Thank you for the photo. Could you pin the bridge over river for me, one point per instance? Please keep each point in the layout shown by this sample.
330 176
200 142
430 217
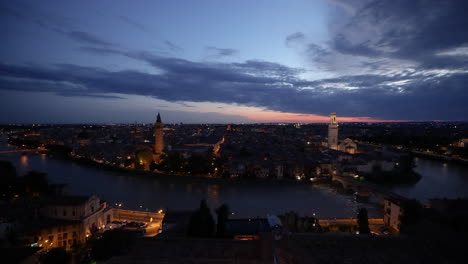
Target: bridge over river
23 150
365 189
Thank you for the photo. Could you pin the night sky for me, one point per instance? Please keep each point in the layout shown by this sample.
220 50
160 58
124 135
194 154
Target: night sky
233 61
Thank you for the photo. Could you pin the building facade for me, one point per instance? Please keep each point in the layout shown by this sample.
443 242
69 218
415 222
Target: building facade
393 212
67 221
348 146
333 132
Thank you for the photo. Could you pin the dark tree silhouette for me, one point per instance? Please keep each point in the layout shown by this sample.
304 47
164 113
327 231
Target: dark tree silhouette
223 213
111 243
8 180
36 183
411 215
201 222
363 221
7 170
55 256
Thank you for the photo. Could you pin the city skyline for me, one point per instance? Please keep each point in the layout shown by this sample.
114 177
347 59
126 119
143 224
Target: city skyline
226 62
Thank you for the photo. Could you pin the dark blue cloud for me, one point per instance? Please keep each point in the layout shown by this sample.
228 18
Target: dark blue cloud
295 37
172 46
415 97
87 38
221 52
133 23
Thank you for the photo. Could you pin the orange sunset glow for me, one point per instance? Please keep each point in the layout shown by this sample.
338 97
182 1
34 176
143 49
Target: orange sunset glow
273 117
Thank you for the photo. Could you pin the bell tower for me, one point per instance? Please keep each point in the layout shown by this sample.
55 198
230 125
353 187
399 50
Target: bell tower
158 139
333 132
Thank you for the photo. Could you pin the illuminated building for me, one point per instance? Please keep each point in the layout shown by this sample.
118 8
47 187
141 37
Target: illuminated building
158 139
347 145
66 221
333 132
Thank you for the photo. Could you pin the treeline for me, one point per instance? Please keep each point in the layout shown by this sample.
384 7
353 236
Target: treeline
432 142
202 223
23 143
403 173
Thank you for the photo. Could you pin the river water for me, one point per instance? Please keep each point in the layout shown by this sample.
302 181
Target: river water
247 199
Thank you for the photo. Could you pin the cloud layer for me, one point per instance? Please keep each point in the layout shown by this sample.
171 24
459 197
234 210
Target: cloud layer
422 95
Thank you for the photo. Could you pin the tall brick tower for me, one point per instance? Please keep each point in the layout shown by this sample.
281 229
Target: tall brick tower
158 139
333 132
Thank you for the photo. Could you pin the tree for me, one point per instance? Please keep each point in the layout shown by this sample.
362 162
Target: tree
170 162
8 180
201 222
406 163
363 221
55 256
411 215
111 243
223 213
36 183
144 159
7 170
198 164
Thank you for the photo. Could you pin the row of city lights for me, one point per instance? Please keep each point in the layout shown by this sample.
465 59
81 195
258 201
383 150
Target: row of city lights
160 211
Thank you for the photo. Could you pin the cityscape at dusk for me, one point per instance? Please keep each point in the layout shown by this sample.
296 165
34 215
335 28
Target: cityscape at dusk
217 131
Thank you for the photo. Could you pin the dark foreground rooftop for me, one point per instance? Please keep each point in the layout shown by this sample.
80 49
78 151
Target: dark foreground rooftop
299 248
196 251
321 249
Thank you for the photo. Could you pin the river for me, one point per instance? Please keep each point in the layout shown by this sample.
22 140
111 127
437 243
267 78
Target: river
439 179
246 199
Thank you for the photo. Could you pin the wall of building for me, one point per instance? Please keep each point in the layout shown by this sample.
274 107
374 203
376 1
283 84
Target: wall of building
392 215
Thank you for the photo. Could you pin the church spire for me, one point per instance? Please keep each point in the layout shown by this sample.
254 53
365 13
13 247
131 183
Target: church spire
158 119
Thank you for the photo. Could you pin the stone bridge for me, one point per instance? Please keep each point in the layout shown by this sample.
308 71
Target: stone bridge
365 189
348 221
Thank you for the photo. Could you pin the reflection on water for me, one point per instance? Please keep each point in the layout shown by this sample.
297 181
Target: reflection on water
438 180
246 200
212 192
24 161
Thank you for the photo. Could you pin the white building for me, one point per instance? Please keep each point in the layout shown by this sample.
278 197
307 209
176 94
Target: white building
75 218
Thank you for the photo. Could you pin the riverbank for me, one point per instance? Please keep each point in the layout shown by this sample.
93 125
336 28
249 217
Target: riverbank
440 158
59 153
426 155
394 179
248 198
166 177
